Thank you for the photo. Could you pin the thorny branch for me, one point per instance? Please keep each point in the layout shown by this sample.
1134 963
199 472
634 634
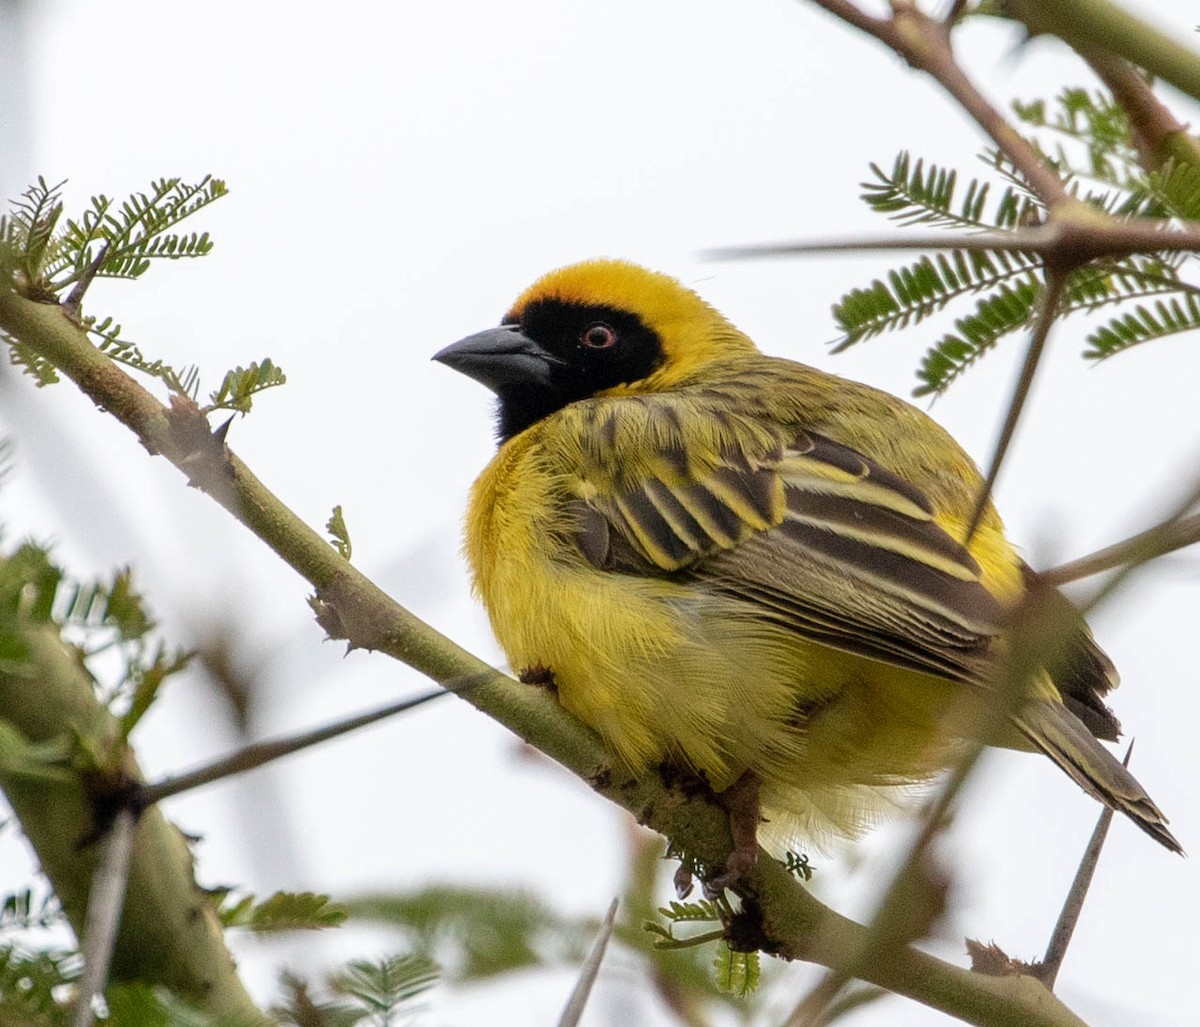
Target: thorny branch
258 754
1073 235
791 922
1051 297
104 914
924 42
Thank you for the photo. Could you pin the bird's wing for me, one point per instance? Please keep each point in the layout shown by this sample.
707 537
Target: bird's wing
812 534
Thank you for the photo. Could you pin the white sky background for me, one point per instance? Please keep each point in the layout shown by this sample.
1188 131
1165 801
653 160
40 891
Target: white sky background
398 173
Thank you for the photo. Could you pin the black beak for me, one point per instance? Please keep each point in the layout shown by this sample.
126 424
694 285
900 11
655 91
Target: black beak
500 358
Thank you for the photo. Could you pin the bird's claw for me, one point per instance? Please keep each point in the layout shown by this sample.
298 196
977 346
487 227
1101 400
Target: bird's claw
739 863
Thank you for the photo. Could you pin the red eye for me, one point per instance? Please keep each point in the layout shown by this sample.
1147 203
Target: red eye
597 336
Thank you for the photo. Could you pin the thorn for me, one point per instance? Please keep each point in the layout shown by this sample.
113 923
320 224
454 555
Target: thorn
74 298
590 970
105 901
220 432
1052 292
1060 937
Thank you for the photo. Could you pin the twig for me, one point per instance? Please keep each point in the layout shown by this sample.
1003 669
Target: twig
75 297
1165 537
105 901
1127 568
1063 240
957 9
799 926
892 906
589 971
878 27
1089 25
1159 134
260 753
1027 651
924 42
1056 279
1060 938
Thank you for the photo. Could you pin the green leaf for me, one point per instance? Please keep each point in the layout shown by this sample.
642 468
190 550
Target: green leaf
913 293
283 911
29 233
384 988
37 367
147 680
703 911
109 240
475 933
1007 310
29 982
339 534
1099 126
112 604
736 972
919 193
302 1008
29 585
1167 317
185 381
240 385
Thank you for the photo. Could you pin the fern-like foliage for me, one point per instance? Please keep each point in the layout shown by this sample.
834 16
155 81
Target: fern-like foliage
383 993
110 239
283 911
735 973
104 616
339 534
24 910
924 287
386 987
31 983
1092 122
53 258
925 194
478 933
1086 137
37 990
1166 317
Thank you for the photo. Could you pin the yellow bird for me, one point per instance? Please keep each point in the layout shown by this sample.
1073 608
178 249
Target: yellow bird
748 567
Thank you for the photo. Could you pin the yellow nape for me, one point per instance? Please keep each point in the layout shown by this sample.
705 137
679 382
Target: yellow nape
692 332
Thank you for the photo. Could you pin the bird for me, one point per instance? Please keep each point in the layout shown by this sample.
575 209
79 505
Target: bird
757 572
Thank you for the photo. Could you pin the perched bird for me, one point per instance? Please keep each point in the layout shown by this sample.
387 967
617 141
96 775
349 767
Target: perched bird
753 569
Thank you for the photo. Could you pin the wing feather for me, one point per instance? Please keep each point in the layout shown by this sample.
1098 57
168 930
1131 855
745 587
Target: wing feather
813 534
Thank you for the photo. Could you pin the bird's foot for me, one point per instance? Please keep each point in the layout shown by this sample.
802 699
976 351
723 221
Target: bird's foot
538 675
685 881
737 865
741 802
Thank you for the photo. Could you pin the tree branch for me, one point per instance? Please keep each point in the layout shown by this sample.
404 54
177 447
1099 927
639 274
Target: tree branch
924 42
786 919
1159 134
1176 532
1098 25
1068 918
1062 240
103 914
258 754
169 933
1052 292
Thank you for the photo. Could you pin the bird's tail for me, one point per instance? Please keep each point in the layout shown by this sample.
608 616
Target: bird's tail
1054 730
